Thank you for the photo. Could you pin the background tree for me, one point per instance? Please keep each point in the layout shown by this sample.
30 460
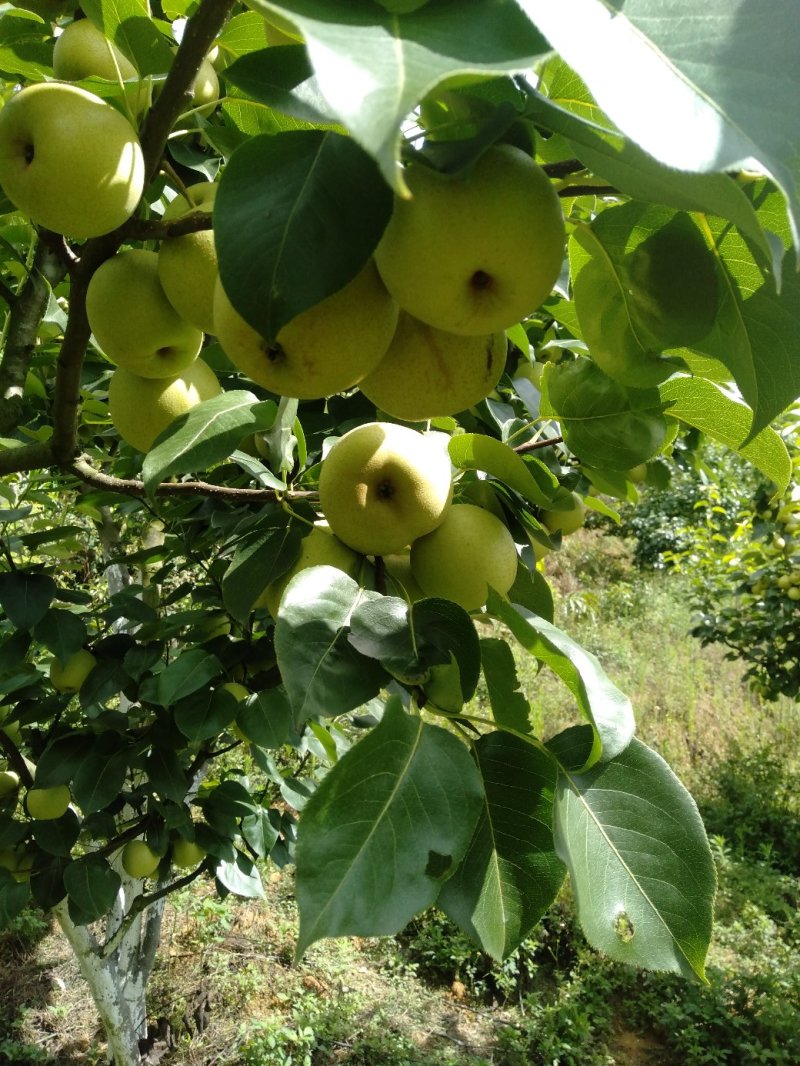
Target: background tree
677 305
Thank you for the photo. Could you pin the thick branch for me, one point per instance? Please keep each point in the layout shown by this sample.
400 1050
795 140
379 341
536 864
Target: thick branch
139 904
153 229
86 472
175 96
563 168
15 759
27 457
27 310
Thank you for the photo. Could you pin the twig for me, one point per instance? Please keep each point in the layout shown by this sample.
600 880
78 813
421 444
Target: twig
533 445
563 168
588 190
82 469
15 759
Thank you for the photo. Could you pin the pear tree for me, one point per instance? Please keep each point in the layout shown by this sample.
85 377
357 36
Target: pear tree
548 238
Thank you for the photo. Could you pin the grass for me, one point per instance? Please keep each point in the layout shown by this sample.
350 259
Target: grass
225 990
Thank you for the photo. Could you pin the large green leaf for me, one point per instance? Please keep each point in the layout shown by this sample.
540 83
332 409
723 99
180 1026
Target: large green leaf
62 633
639 862
532 480
569 110
322 671
510 707
603 422
206 713
607 710
510 873
279 197
259 561
724 418
92 887
644 281
373 67
685 83
25 596
385 828
129 25
206 435
281 78
190 671
101 774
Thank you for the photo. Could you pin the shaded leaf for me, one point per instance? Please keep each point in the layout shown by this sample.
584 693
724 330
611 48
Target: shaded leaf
92 887
192 670
510 707
26 596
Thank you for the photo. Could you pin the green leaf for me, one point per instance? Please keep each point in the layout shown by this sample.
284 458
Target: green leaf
206 713
165 774
686 109
242 34
206 435
192 670
282 78
443 625
259 832
510 707
266 718
92 887
724 418
259 561
322 671
25 597
639 862
58 836
531 590
510 874
644 281
13 897
607 710
100 777
61 759
384 829
241 877
611 156
62 633
602 421
129 25
475 451
756 331
324 193
373 67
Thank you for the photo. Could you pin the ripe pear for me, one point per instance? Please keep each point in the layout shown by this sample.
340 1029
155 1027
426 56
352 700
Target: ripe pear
68 160
141 408
83 51
187 265
428 373
566 521
382 486
471 550
139 859
9 783
324 350
477 253
132 320
47 804
71 676
186 854
319 548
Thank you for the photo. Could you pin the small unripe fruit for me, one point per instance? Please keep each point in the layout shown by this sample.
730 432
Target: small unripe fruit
139 860
186 854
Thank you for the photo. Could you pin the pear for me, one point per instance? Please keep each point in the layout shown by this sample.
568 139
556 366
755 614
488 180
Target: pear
141 408
68 160
186 854
83 51
319 548
400 581
132 320
187 265
139 859
71 676
568 520
471 550
47 804
383 485
324 350
428 373
205 88
477 253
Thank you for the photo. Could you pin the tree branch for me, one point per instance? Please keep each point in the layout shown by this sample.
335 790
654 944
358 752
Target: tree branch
26 311
140 904
152 229
82 469
588 190
27 457
563 168
533 445
15 759
198 37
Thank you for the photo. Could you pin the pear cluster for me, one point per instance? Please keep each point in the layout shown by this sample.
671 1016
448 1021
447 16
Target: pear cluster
386 491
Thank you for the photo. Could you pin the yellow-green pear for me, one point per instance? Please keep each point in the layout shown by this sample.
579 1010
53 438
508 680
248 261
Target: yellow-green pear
69 160
83 51
319 548
475 253
324 350
471 550
205 89
9 783
428 373
236 689
139 860
637 474
383 485
18 861
46 804
141 408
187 265
186 854
132 320
568 520
71 675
